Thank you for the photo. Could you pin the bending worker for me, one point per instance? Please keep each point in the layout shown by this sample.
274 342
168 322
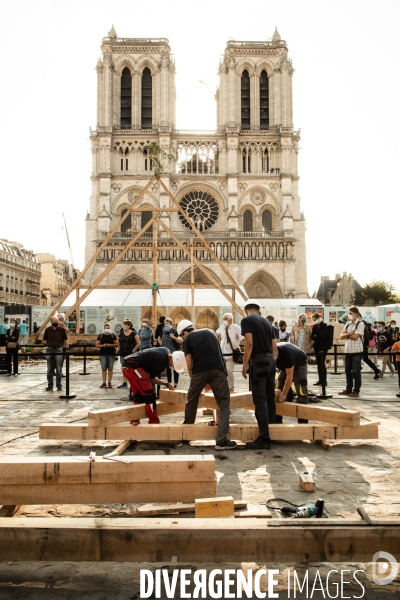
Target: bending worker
141 370
292 365
206 369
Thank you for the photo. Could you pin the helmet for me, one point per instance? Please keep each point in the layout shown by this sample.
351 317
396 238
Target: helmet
178 361
183 325
252 303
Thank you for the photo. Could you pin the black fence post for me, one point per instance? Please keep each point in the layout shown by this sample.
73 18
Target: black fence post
335 360
84 362
321 361
67 396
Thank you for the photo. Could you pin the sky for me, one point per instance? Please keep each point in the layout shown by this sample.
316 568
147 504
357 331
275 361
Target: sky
345 98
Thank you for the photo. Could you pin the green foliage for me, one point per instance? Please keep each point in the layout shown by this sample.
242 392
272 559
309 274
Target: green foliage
375 294
160 159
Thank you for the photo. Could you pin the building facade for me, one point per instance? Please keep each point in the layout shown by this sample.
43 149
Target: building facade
340 291
19 274
239 183
57 277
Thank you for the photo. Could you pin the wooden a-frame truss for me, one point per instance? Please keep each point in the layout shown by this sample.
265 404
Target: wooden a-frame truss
123 249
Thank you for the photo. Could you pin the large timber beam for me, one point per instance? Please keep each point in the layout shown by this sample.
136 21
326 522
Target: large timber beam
325 414
109 416
194 541
245 433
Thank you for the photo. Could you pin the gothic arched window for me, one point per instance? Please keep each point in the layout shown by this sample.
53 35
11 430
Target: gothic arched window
126 99
127 224
267 220
247 220
245 100
265 161
146 217
264 101
246 161
147 99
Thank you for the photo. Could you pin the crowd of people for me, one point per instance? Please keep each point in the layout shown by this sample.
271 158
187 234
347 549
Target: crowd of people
210 357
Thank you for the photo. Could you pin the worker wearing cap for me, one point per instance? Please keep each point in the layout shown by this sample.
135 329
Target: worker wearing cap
141 370
292 364
259 347
207 370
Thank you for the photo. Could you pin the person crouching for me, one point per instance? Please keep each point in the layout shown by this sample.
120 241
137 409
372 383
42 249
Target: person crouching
141 369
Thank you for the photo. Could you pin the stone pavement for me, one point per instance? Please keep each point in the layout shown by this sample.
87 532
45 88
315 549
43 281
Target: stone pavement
351 473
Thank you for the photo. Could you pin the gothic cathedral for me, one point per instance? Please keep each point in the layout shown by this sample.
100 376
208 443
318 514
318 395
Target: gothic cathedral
239 184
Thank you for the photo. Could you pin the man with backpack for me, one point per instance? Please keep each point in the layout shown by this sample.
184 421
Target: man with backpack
353 333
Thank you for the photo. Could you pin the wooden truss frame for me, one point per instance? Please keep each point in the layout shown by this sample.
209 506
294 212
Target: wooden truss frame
188 250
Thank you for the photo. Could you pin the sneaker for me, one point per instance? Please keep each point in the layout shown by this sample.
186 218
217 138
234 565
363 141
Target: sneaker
258 444
378 374
123 385
227 445
103 385
16 374
345 393
354 394
110 384
317 383
59 388
391 374
49 389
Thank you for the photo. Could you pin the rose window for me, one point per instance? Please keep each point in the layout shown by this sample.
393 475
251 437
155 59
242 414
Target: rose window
201 208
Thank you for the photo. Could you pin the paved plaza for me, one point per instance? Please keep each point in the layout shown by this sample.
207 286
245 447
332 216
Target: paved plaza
350 474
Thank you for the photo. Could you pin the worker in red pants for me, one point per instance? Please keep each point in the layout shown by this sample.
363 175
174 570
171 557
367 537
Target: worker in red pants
141 370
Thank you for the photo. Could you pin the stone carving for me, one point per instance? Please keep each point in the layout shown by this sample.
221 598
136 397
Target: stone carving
257 197
116 187
174 184
262 285
273 186
133 194
155 186
199 277
242 187
221 185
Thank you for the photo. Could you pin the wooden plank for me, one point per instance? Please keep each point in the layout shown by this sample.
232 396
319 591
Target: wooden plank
28 470
307 482
149 510
195 541
237 400
214 508
325 444
107 493
109 416
173 432
119 449
325 414
9 510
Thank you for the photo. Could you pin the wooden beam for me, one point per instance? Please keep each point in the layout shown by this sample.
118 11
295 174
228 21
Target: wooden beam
107 493
95 255
119 449
149 510
205 243
206 272
60 470
214 507
195 541
245 433
9 510
105 272
306 482
109 416
337 416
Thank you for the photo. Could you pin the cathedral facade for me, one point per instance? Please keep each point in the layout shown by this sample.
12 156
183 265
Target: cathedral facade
239 184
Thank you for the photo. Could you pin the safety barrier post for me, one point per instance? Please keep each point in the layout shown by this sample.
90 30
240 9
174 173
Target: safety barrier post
67 395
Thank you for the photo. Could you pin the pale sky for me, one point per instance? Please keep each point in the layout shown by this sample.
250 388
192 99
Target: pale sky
346 103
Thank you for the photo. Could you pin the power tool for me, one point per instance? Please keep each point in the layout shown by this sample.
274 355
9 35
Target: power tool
304 512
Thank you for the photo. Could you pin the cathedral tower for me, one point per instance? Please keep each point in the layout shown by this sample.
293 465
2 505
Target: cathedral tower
239 184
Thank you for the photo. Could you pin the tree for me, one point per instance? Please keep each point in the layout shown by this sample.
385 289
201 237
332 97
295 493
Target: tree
158 157
376 293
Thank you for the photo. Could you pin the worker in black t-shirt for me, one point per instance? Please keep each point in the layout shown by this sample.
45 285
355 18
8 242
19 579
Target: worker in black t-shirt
259 345
141 370
292 364
206 369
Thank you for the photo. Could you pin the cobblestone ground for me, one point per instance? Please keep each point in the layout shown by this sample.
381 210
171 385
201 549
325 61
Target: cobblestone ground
349 474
